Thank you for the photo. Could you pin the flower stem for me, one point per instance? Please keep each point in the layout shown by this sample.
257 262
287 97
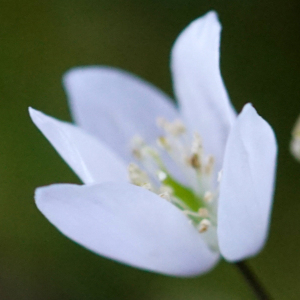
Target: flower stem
253 282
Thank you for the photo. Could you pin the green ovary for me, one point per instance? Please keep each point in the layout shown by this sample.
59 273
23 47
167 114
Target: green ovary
185 194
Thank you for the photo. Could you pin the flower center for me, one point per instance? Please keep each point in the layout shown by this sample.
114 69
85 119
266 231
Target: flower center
177 169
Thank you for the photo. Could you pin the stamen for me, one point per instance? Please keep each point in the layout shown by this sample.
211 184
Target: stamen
195 162
163 143
165 196
147 186
137 154
208 196
204 225
166 189
196 144
210 165
203 212
137 143
175 128
137 176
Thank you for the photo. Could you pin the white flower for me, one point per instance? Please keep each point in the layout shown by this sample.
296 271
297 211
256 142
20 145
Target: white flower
194 219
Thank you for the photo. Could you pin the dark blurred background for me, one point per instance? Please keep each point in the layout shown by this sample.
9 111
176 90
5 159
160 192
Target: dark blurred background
40 40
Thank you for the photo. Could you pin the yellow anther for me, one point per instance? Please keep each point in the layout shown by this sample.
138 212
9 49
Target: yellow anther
163 143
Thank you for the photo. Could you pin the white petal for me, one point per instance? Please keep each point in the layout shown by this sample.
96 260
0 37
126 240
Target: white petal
92 161
128 224
115 105
247 185
198 85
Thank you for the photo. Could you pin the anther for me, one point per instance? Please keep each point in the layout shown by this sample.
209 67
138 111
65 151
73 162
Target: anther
147 186
208 196
137 144
194 161
163 143
165 196
175 128
196 144
166 189
204 225
136 175
137 153
210 164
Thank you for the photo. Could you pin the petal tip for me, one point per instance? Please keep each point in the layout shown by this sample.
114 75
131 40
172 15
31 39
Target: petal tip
38 196
36 116
44 193
84 77
248 107
212 15
249 111
205 28
85 72
211 18
74 73
31 111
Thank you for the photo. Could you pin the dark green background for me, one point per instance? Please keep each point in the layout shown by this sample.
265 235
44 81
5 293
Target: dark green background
40 40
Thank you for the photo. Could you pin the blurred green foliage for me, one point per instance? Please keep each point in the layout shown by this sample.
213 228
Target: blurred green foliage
40 40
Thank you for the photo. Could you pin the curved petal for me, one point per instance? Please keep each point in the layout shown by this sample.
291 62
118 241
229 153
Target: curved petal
88 158
128 224
115 106
246 188
198 85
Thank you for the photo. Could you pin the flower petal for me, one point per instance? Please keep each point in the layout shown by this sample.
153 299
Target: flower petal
115 106
92 161
198 85
128 224
246 188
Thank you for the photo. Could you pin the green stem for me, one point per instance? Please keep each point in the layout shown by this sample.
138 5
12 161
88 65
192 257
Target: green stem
252 281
